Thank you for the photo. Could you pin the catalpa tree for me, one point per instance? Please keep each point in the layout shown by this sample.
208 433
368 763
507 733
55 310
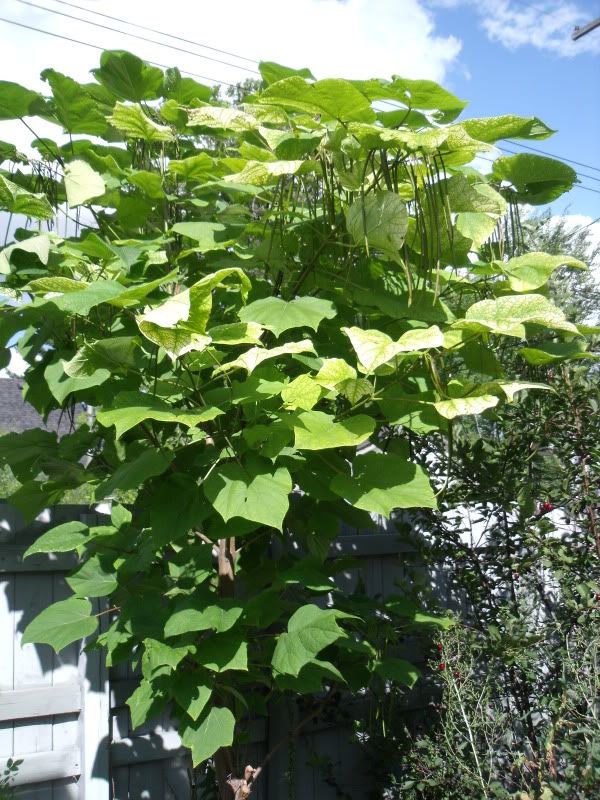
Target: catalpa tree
269 307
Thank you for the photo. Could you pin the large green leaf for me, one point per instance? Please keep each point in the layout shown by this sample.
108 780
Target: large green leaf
398 670
260 494
478 227
82 183
176 342
552 352
192 307
134 473
131 408
272 72
533 270
334 99
39 246
379 220
184 90
375 348
333 372
224 651
303 392
225 118
316 430
252 358
310 630
195 168
114 354
508 315
16 101
279 316
214 730
423 94
195 615
460 406
207 235
190 694
61 624
160 658
507 126
95 578
54 283
135 124
134 294
61 539
464 196
263 173
145 703
536 179
62 385
128 77
27 450
83 301
17 200
382 482
75 109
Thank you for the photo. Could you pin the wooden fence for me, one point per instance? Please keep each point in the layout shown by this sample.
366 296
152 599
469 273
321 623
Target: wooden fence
66 717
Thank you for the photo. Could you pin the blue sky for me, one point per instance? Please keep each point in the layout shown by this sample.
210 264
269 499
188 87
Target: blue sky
562 91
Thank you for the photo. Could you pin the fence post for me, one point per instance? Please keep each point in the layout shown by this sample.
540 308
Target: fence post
95 713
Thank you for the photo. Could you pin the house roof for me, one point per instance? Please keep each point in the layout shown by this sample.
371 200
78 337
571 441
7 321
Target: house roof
16 415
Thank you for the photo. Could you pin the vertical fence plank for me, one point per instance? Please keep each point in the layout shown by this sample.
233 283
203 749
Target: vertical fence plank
32 663
7 640
95 722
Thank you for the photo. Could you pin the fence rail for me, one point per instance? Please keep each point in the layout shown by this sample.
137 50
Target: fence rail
66 717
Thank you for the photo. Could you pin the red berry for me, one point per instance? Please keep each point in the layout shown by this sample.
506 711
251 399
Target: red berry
439 646
442 666
456 674
547 507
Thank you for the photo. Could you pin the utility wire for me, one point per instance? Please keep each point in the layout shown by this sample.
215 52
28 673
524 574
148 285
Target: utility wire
575 185
155 30
135 36
583 227
515 153
97 47
553 155
537 8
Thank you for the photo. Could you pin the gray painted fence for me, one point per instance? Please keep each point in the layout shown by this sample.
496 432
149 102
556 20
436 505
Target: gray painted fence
66 717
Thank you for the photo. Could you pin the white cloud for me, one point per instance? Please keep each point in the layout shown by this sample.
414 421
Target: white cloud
16 367
544 25
358 38
577 222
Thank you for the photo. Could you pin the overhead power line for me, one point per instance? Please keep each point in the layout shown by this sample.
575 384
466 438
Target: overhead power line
575 186
136 36
539 10
97 47
553 155
579 174
155 30
583 227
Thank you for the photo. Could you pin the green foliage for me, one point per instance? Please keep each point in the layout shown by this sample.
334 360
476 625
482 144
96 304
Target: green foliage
269 294
515 710
8 775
